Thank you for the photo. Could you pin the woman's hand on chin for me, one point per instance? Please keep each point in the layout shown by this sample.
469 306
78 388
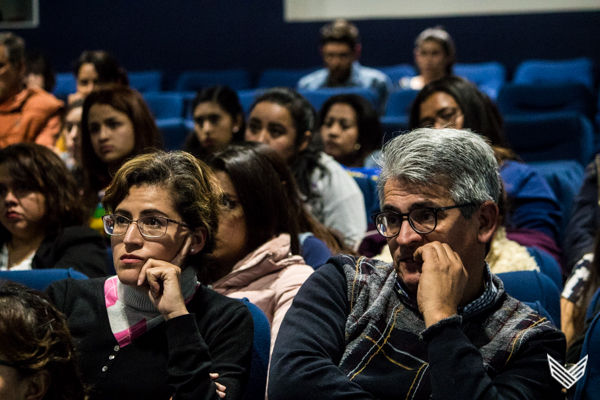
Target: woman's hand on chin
163 280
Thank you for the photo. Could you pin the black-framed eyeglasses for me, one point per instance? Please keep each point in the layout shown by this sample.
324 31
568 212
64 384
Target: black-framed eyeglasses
150 226
8 364
445 117
423 220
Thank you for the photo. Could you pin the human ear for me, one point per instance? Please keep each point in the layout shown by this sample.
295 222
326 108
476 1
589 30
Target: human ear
237 123
198 240
305 142
37 385
488 221
357 51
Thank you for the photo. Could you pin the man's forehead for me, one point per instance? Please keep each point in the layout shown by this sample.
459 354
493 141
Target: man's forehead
337 48
396 190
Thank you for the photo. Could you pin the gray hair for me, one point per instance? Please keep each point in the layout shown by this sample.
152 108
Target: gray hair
459 160
15 46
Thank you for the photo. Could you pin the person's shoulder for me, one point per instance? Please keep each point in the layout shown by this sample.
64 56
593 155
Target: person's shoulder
211 303
362 268
518 319
40 99
314 80
372 73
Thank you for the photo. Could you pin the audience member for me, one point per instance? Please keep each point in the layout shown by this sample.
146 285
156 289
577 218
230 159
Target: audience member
69 141
350 130
116 125
533 218
340 49
152 331
39 72
41 215
257 253
435 55
218 121
285 120
37 359
434 324
579 289
94 69
584 221
26 114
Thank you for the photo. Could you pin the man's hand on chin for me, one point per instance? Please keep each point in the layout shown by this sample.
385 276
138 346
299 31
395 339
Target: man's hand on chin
442 283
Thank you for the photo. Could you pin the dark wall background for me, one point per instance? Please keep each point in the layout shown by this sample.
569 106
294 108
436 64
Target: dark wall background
177 35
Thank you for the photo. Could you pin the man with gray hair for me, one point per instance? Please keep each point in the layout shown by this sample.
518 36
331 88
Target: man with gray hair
26 115
436 323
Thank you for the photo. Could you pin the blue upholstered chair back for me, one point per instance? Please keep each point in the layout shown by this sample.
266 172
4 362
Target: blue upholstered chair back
556 71
174 131
489 77
532 286
195 81
165 104
257 384
550 137
282 77
40 279
526 99
145 81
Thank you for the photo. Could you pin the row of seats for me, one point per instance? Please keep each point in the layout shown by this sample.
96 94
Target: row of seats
489 77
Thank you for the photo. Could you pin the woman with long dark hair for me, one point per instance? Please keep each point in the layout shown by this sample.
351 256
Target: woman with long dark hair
286 121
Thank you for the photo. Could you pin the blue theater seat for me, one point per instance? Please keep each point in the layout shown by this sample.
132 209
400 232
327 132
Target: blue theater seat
553 136
65 85
532 286
489 77
397 111
145 81
540 98
174 132
165 104
40 279
195 81
282 77
257 382
556 71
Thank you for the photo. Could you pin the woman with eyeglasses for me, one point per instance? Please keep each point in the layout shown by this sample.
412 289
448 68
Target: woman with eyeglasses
37 358
533 216
41 215
153 331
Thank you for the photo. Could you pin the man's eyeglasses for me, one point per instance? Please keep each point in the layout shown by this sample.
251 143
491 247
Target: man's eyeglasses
151 226
445 117
422 220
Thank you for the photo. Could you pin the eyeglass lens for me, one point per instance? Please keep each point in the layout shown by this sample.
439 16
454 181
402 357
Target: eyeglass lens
148 226
422 220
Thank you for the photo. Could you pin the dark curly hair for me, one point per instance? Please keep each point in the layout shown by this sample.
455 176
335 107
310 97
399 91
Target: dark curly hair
34 337
36 168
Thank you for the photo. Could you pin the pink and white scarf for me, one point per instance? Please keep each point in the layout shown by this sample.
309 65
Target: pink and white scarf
131 313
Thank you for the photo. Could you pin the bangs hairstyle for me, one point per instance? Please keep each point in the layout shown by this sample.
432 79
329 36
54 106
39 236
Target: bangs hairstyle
195 191
460 161
263 194
147 136
443 38
34 336
35 168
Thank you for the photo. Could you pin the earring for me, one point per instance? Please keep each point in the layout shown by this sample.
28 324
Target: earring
192 251
235 129
357 147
